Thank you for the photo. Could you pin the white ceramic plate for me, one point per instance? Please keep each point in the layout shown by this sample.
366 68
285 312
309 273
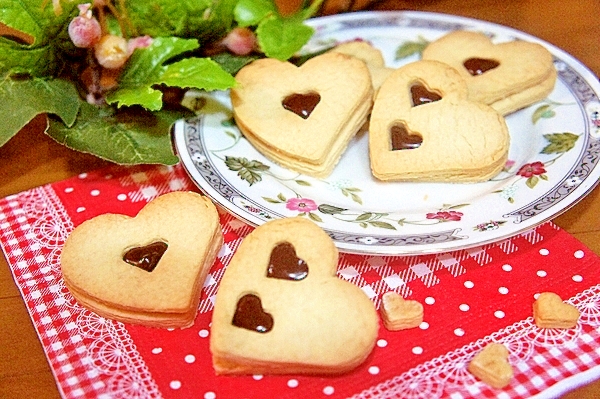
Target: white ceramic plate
553 158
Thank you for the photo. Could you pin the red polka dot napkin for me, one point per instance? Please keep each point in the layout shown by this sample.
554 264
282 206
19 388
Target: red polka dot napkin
471 297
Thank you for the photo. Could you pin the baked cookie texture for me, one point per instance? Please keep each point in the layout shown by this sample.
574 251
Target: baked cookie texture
281 309
372 57
423 127
508 76
148 269
303 117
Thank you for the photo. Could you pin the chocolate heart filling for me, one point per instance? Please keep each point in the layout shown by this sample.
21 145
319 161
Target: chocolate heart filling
478 66
285 265
146 257
301 104
250 315
421 95
402 139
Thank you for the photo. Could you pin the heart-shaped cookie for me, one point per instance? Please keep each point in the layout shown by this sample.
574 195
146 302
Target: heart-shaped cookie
491 365
281 309
424 128
549 311
508 76
303 117
398 313
146 269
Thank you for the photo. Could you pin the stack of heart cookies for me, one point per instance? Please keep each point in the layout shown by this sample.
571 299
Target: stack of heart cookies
508 76
424 127
148 269
303 117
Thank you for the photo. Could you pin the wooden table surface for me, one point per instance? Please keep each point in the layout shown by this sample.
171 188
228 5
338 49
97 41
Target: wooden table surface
31 159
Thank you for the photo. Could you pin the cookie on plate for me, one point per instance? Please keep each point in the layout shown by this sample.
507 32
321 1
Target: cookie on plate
372 57
148 269
303 117
281 309
424 128
508 76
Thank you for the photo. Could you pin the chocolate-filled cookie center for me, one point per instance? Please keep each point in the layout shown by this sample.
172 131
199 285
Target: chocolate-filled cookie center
285 265
421 95
478 66
250 315
403 139
146 257
301 104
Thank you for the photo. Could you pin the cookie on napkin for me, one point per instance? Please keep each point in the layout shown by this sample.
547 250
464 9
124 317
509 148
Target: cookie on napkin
281 309
424 128
303 117
508 76
148 269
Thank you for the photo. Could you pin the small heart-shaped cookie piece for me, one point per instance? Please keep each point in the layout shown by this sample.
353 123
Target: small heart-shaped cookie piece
491 365
321 324
443 138
148 269
250 315
285 265
398 313
507 76
549 311
303 117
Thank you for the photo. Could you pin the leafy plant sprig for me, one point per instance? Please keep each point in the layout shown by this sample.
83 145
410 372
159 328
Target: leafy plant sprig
123 113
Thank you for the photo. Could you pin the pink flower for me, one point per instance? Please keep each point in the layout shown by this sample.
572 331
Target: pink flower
445 216
240 41
301 205
532 169
84 30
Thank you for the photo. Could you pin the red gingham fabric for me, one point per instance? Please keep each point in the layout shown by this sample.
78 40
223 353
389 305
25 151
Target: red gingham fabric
471 297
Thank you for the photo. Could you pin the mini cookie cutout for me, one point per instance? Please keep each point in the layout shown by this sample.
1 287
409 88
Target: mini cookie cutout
491 366
398 313
303 117
507 76
424 128
146 269
281 309
549 311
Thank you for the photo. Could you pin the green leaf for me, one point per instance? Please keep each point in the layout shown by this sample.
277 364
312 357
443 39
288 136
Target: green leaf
249 171
409 48
281 38
543 111
330 209
232 63
147 68
383 225
281 197
315 217
532 181
126 136
303 183
271 200
204 20
356 198
559 142
45 56
251 12
364 216
22 100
